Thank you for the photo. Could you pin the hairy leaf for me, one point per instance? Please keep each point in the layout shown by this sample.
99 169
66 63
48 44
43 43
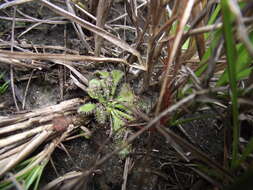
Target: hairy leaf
101 114
116 77
103 74
87 108
94 88
126 94
117 122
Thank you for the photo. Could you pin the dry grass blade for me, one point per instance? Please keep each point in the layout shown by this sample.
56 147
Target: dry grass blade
13 3
212 27
77 73
156 11
21 136
78 28
9 151
174 50
45 21
15 147
27 150
42 157
171 135
102 13
126 172
19 63
29 29
64 57
42 112
11 66
124 15
102 33
25 124
67 176
200 40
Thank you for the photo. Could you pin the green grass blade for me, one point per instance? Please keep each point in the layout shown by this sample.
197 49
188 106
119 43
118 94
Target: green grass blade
248 150
4 87
214 15
243 64
231 57
36 185
32 177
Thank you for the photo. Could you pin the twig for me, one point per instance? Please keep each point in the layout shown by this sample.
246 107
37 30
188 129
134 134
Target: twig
34 20
11 67
67 176
26 89
13 3
78 28
125 14
125 174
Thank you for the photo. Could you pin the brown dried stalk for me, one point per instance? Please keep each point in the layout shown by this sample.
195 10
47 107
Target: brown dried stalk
103 9
39 124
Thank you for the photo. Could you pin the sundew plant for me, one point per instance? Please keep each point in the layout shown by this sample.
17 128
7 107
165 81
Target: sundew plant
112 99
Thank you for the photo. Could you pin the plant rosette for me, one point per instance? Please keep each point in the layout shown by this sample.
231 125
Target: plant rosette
112 99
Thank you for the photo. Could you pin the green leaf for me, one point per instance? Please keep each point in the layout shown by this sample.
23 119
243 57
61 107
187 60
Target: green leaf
244 73
1 75
248 150
94 88
103 89
101 114
103 74
27 173
122 114
117 121
119 106
116 77
87 108
203 63
242 65
125 94
106 90
4 86
125 151
186 44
